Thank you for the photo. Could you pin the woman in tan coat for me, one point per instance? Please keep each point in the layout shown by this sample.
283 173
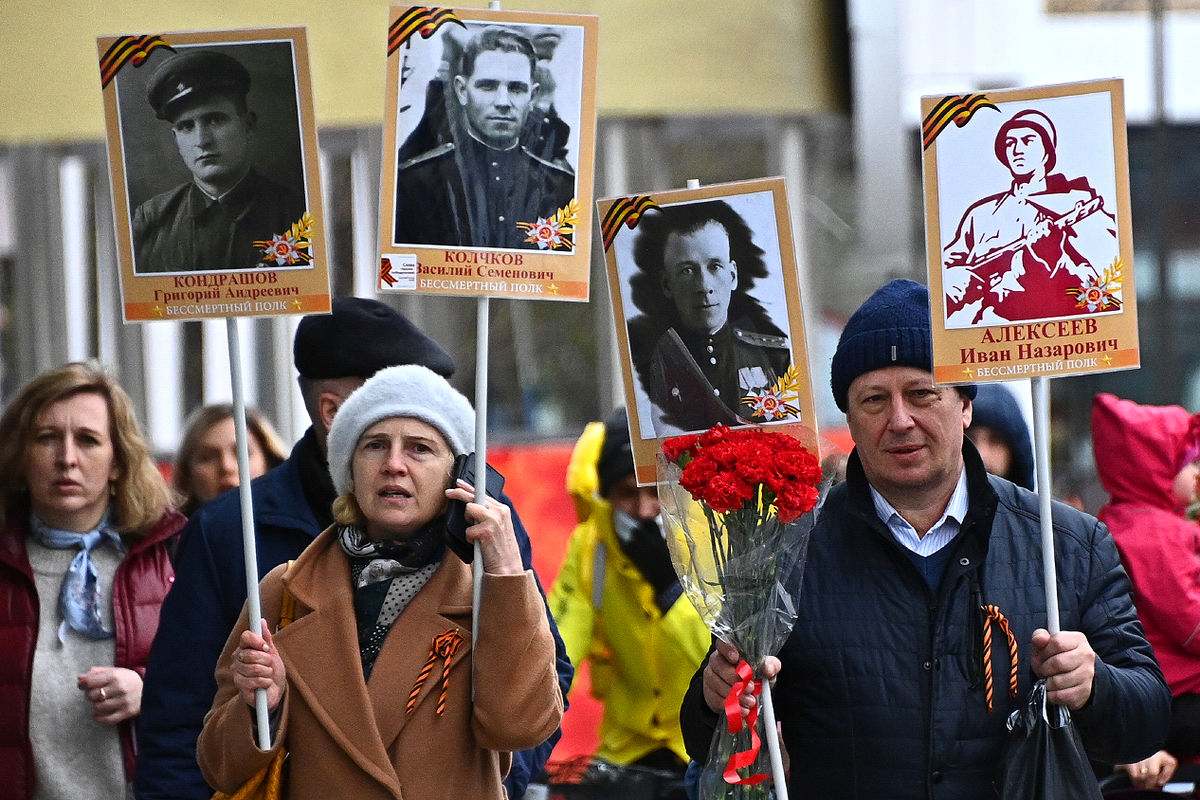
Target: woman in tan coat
401 704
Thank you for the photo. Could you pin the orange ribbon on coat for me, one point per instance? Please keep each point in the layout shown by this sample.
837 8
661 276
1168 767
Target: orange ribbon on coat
733 720
994 614
444 646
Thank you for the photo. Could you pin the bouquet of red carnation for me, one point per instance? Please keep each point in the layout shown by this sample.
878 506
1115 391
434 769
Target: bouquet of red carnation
738 506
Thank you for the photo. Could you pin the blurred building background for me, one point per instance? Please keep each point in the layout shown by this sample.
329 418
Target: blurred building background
823 92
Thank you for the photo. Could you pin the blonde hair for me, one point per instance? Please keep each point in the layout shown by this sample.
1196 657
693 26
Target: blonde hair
140 495
346 510
199 422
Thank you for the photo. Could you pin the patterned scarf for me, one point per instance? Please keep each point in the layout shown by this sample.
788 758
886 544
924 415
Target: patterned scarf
79 598
377 561
386 576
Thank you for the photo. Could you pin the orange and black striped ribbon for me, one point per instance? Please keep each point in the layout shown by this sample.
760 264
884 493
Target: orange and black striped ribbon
954 108
994 614
626 211
128 49
444 646
419 19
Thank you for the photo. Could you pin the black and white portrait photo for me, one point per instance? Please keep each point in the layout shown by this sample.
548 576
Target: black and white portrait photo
488 122
214 157
706 311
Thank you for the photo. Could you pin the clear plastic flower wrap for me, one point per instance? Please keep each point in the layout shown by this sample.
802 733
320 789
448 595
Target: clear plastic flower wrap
738 507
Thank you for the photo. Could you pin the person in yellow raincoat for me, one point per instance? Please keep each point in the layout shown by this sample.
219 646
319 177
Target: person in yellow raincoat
619 605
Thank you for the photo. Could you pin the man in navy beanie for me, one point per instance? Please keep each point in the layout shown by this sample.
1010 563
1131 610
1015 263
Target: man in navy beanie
334 354
896 680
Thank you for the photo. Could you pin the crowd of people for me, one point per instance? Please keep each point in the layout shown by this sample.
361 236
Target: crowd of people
131 666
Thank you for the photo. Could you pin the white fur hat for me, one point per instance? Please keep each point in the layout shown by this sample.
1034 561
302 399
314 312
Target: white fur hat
408 390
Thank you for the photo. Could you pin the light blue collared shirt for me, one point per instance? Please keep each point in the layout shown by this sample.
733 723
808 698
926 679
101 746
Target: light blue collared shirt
943 531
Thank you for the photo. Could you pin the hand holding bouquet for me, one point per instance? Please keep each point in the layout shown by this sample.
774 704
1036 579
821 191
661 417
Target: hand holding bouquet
738 506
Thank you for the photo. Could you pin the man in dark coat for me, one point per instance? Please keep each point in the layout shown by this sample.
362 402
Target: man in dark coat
472 191
334 355
885 686
702 343
212 221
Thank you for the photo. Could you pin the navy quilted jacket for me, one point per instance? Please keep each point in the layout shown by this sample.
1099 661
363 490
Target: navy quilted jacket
880 693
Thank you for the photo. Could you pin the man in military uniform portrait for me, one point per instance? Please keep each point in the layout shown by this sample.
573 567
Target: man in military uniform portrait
472 191
211 221
1028 251
701 342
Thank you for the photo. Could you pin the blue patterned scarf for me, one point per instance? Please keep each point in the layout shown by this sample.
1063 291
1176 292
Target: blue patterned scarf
79 598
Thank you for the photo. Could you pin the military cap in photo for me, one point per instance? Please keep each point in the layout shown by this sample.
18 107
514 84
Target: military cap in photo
195 73
360 337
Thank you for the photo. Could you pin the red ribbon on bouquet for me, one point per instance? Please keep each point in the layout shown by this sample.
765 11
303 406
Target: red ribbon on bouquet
733 719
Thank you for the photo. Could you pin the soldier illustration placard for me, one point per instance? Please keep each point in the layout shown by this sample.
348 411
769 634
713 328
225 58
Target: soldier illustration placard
1029 242
216 192
488 153
709 321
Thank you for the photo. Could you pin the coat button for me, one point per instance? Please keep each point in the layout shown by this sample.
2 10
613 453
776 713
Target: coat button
928 665
936 776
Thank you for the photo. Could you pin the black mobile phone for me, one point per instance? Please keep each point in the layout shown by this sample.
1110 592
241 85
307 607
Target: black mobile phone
456 511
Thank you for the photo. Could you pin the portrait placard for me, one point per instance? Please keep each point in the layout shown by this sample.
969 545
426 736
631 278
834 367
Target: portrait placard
1028 232
488 152
212 150
707 308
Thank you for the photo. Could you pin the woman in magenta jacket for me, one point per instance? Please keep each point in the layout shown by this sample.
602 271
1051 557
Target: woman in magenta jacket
86 527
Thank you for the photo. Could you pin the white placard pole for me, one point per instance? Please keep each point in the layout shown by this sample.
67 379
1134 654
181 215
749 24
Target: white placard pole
771 734
249 543
1041 440
481 375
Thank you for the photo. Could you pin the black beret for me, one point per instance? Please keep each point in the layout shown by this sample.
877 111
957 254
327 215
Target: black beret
194 73
359 338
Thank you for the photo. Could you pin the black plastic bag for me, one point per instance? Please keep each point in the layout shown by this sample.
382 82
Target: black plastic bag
1045 758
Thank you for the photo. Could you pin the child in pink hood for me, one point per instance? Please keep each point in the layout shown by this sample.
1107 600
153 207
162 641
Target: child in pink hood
1146 458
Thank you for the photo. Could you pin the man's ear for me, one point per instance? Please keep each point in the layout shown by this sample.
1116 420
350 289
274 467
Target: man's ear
251 121
328 404
662 284
460 89
733 269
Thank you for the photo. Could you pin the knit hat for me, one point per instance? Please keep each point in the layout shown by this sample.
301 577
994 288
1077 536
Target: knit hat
360 337
616 454
408 390
892 328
